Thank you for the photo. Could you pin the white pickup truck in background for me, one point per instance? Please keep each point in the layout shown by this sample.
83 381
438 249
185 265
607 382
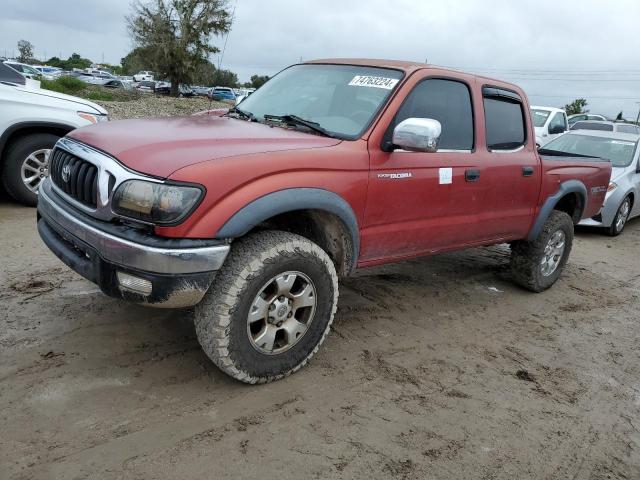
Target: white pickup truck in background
549 123
31 122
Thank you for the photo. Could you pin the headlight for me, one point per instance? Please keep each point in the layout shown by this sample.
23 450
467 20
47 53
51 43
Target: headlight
156 203
93 118
612 186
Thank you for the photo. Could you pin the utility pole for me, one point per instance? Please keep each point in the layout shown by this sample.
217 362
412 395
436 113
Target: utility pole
638 117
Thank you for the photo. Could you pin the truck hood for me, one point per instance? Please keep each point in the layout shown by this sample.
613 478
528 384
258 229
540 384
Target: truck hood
160 146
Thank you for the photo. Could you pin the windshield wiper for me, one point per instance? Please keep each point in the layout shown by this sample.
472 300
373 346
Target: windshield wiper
241 113
295 120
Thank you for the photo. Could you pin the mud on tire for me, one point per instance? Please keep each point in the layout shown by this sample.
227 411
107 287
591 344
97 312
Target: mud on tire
221 318
527 257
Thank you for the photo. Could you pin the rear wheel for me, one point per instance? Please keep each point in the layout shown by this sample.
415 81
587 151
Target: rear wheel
620 220
26 165
536 265
269 308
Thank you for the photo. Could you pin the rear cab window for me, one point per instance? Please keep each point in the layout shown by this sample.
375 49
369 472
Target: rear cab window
505 124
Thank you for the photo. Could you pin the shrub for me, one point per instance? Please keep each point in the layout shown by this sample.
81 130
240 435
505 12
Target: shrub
68 85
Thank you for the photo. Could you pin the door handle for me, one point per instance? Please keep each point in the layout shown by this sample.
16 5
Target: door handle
527 171
472 175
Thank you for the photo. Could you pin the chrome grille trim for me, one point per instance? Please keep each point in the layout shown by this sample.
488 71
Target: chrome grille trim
111 174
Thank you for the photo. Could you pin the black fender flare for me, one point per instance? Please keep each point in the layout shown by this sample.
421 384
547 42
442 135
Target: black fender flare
570 186
290 200
8 133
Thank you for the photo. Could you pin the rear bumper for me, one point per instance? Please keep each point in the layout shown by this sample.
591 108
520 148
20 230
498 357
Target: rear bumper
125 263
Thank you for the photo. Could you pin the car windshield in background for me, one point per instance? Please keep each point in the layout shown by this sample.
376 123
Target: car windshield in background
341 99
540 117
628 129
619 152
605 127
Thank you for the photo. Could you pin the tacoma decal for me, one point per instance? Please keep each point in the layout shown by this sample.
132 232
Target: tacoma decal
395 176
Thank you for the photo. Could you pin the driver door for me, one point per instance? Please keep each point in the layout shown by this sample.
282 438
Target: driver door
421 202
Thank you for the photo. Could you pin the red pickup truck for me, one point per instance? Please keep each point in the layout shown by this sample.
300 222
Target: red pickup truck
251 214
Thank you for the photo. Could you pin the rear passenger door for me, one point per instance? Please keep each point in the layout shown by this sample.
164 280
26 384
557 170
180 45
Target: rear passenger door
425 202
512 168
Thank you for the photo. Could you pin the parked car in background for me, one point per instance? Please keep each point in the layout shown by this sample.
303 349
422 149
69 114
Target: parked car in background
622 201
549 122
48 73
222 93
31 121
25 70
164 88
577 117
251 214
100 73
606 126
202 91
144 76
106 82
146 86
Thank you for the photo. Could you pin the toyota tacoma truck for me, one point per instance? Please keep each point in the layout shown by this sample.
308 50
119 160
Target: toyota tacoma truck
251 214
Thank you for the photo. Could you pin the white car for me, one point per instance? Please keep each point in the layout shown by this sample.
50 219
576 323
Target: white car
144 76
23 69
579 117
549 123
32 120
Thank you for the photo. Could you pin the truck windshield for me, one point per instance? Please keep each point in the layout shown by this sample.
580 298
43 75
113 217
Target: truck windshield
341 99
540 117
618 151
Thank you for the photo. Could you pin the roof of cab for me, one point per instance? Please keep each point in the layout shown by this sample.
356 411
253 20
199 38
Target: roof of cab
408 67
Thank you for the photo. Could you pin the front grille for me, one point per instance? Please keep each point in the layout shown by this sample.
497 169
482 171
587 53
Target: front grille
75 177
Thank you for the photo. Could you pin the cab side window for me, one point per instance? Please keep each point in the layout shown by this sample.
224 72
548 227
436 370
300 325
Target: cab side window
504 119
447 101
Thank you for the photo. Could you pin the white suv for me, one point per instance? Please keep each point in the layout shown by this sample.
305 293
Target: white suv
144 76
31 122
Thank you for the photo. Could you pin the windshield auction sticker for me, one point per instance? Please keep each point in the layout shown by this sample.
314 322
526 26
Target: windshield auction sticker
373 82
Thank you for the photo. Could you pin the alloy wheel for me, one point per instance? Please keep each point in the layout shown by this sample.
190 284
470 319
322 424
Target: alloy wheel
281 313
35 169
553 252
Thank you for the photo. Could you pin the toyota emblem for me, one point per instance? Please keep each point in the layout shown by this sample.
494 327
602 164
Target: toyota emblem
66 173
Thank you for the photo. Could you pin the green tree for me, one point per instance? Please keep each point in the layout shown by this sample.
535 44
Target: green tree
225 78
204 74
258 80
136 61
619 117
25 51
577 106
177 34
74 61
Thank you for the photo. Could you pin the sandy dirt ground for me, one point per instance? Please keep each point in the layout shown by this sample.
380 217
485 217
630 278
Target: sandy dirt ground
437 368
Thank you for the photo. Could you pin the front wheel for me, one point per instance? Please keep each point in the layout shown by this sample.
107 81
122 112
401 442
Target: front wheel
620 220
536 265
269 308
26 165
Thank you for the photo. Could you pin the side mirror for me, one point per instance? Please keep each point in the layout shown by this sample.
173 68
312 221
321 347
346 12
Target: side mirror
555 129
417 135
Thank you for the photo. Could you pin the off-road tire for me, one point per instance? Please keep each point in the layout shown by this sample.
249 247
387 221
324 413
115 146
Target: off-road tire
14 156
221 317
526 257
613 230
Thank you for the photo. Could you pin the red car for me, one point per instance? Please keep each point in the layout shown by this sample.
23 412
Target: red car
252 214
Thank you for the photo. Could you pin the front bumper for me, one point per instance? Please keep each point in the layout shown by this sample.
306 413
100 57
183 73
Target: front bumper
172 273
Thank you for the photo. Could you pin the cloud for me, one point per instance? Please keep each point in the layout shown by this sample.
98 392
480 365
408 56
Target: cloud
536 44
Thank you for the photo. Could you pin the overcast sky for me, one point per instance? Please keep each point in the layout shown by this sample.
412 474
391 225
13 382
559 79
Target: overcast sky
556 50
